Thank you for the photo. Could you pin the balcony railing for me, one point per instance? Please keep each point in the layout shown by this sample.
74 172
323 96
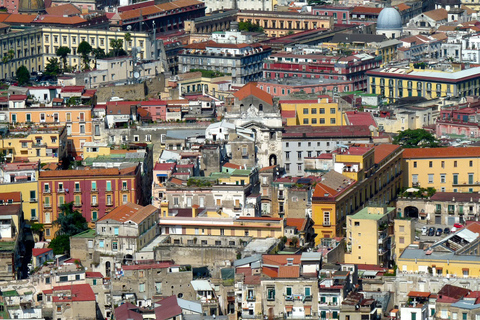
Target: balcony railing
251 299
47 205
77 190
60 190
33 199
47 190
94 204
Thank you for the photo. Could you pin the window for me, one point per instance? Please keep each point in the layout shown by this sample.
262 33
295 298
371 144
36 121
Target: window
470 178
414 164
430 164
305 121
308 291
94 186
288 291
109 185
402 240
332 120
82 128
332 110
414 316
430 178
326 218
101 244
141 287
443 178
115 231
455 164
94 215
114 245
109 199
305 110
455 178
465 272
125 198
470 163
270 294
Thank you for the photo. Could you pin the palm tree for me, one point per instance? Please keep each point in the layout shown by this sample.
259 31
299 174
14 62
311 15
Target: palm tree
128 38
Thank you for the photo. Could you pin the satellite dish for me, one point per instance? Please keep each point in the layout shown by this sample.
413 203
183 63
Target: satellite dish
129 27
136 74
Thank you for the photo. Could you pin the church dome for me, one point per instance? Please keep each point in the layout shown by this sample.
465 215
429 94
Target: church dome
389 19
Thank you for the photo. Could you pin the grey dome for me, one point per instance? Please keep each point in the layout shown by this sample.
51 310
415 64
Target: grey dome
389 19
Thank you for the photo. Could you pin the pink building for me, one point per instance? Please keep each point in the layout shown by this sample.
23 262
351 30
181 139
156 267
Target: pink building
286 87
157 109
447 127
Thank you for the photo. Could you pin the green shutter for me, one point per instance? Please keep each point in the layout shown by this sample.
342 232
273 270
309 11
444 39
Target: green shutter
335 314
323 314
289 291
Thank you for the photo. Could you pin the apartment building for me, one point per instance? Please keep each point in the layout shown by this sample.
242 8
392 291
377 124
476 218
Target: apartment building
397 82
242 61
318 112
361 174
34 46
42 144
449 169
371 247
94 192
304 147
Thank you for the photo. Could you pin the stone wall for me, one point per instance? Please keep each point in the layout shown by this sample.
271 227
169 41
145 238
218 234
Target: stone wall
151 88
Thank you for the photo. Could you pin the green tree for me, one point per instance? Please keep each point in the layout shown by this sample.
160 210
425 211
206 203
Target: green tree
70 222
7 58
128 38
63 52
37 229
84 48
116 46
53 67
23 76
250 27
418 138
98 53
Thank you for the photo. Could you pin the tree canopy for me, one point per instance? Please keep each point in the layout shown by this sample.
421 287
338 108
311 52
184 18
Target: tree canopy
84 48
63 52
418 138
23 75
250 27
53 67
70 222
116 46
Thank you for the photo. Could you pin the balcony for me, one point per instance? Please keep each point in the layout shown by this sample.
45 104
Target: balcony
326 223
109 204
47 205
33 199
94 190
60 190
47 190
251 299
281 197
77 190
77 204
124 189
94 204
34 218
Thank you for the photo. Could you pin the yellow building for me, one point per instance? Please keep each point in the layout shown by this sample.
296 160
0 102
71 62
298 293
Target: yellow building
95 149
455 256
44 144
386 49
445 169
396 82
368 237
194 83
77 119
29 191
319 112
277 24
336 196
404 235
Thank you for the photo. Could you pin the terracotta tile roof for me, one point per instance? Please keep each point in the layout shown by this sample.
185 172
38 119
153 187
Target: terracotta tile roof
446 28
177 181
252 279
168 308
4 16
270 272
437 14
384 150
78 292
402 7
289 272
280 259
468 9
298 223
450 152
251 89
453 291
82 173
369 10
164 166
63 10
360 118
91 274
130 212
418 294
288 114
441 36
459 196
20 18
473 226
17 97
127 311
150 10
267 168
36 252
15 196
232 165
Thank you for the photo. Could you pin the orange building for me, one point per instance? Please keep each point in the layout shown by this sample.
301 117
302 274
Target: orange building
94 192
77 119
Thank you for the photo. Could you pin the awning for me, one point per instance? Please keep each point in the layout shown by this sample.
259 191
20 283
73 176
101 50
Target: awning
288 308
370 273
465 269
308 310
21 177
162 175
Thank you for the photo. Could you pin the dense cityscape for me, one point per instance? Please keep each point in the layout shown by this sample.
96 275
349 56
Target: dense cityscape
240 159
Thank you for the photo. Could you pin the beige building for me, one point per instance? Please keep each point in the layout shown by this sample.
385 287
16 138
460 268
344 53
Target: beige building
69 302
409 117
368 236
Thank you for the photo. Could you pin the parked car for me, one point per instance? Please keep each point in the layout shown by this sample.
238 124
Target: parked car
424 230
446 230
458 225
431 231
439 232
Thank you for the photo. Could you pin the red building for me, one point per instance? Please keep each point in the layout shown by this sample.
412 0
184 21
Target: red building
94 192
340 14
325 68
157 109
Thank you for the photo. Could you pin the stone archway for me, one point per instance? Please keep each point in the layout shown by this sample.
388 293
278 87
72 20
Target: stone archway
411 212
